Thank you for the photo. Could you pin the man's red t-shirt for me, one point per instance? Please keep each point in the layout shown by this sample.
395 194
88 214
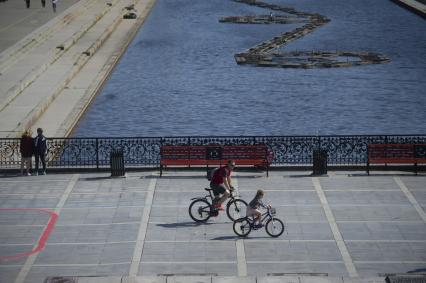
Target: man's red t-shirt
218 175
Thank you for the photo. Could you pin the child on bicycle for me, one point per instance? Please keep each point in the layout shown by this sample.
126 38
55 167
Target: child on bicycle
253 208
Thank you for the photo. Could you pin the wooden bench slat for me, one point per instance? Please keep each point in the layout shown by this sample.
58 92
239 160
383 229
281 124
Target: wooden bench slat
394 154
393 160
198 155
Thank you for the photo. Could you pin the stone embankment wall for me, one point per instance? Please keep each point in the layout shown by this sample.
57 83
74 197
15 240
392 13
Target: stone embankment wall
49 78
416 6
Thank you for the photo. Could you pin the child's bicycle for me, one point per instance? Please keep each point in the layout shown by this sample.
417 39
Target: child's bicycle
201 209
273 226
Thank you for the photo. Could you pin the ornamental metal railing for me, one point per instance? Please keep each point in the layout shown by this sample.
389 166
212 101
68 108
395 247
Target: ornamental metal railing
145 151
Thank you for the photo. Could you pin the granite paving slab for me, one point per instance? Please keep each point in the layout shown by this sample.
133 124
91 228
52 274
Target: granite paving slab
187 268
101 228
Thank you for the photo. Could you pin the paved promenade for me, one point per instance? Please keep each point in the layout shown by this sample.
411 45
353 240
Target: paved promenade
346 227
17 22
50 75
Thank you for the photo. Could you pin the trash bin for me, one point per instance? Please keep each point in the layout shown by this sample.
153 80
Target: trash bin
117 163
319 162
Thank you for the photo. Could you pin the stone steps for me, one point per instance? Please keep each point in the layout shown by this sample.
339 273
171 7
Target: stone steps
31 96
18 77
40 35
86 84
50 87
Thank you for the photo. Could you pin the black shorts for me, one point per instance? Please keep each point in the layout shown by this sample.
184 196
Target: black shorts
218 189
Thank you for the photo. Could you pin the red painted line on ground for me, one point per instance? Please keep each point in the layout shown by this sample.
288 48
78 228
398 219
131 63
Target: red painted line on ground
43 238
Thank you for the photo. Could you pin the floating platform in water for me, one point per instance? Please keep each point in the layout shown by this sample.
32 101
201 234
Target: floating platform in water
263 19
264 54
312 59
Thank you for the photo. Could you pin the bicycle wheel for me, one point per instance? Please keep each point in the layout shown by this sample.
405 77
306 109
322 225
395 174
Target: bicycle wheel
274 227
199 210
236 208
242 227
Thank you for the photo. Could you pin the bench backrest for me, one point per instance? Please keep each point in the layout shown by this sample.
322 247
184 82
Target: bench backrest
182 152
245 152
200 152
410 153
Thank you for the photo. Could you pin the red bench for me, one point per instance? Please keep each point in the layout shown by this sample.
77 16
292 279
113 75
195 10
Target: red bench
396 154
256 155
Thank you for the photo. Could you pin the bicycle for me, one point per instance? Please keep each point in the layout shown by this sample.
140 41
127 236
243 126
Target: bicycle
201 208
274 227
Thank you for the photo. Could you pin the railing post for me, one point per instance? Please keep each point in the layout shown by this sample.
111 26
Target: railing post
189 151
97 153
159 159
319 142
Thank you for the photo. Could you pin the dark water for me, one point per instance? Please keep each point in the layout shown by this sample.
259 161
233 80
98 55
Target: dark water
179 76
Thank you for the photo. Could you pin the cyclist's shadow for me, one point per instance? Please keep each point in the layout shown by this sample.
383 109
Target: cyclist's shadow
237 237
182 224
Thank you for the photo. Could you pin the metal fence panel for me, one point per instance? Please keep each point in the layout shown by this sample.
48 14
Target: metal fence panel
145 151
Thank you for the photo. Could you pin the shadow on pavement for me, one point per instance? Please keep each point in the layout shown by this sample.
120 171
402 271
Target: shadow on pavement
384 174
182 224
419 270
95 178
226 238
173 177
194 177
299 176
237 237
10 176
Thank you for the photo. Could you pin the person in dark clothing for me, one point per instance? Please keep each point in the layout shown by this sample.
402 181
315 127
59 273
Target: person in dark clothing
43 3
54 2
27 150
40 145
28 3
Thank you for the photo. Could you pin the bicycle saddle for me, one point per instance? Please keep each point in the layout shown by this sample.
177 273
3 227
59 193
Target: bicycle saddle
208 189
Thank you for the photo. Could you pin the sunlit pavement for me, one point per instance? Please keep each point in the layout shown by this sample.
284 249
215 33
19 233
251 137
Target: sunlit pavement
345 224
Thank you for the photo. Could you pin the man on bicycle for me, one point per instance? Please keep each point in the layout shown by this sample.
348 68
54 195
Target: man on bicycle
221 184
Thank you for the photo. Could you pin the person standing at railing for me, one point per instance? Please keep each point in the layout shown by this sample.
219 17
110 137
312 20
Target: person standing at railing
26 148
54 2
40 143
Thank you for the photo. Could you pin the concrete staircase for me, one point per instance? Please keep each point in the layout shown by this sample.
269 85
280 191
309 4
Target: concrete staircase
38 72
